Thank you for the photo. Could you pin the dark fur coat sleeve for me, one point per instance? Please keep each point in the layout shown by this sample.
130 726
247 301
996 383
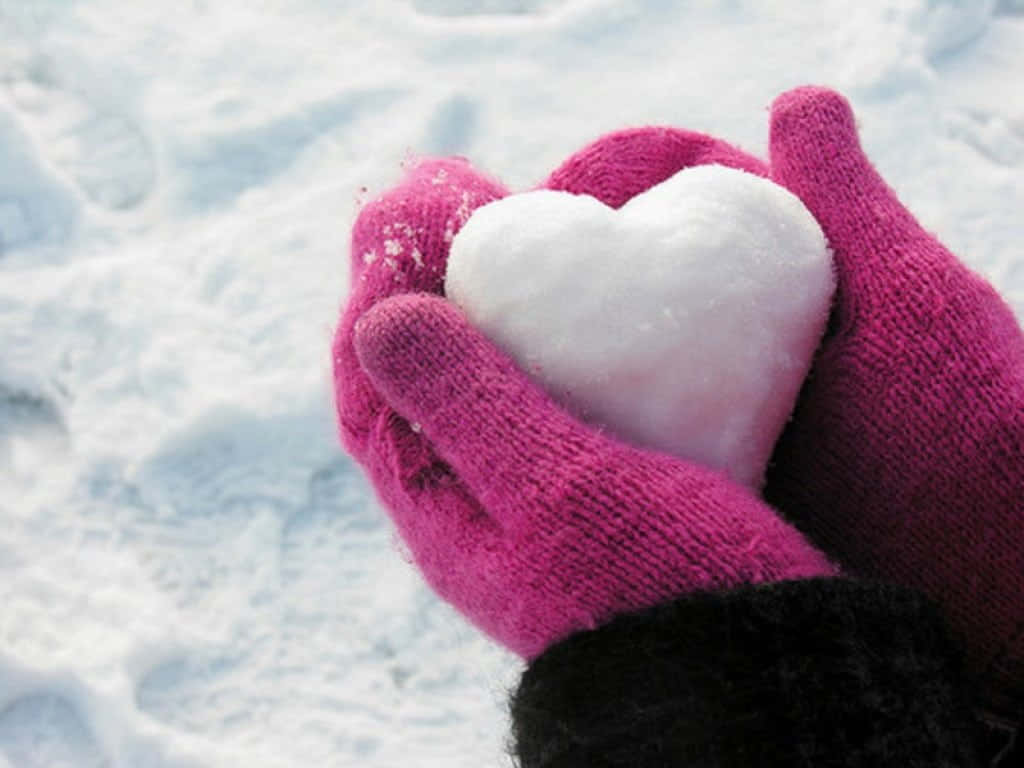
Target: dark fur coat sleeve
808 674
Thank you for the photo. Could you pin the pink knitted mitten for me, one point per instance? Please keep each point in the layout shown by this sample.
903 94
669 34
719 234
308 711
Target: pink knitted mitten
905 459
529 522
905 456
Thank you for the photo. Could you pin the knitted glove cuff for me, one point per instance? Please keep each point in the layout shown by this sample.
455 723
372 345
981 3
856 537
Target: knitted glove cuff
822 672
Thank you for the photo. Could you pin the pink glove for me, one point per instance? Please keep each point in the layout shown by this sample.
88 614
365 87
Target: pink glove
531 523
905 458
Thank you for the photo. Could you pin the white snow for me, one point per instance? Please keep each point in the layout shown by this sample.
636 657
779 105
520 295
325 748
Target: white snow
191 573
685 322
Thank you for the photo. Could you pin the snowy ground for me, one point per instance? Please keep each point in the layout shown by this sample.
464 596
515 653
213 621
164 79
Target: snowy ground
191 572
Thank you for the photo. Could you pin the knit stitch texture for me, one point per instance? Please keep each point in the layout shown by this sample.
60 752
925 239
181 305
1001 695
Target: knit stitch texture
550 525
905 456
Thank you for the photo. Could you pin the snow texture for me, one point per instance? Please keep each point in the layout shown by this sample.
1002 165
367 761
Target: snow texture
191 572
684 322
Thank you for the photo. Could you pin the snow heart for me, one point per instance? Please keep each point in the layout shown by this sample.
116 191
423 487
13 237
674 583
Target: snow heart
685 321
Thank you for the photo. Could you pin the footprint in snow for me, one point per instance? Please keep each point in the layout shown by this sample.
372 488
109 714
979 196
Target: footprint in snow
217 168
29 416
997 139
104 154
24 410
35 208
951 26
43 730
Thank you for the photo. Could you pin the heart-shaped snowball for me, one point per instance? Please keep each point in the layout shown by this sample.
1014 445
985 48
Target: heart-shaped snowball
685 321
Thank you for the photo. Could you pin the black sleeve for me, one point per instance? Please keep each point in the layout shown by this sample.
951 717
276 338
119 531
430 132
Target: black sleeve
801 674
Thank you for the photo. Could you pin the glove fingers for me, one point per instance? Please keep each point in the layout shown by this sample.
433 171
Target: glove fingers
501 435
399 244
435 514
623 164
816 154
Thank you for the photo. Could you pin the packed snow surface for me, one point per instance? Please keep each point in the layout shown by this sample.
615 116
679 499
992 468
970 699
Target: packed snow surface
191 572
685 321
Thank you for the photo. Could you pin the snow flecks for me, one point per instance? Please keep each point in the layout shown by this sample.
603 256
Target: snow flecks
369 257
393 247
417 258
465 209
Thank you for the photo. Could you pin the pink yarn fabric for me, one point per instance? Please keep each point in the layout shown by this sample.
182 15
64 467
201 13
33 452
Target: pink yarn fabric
531 523
905 458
